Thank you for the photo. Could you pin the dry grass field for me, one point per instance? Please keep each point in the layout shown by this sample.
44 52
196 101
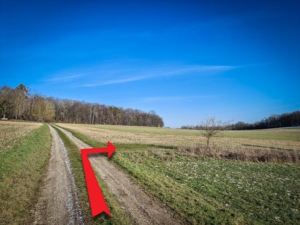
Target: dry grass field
12 132
272 138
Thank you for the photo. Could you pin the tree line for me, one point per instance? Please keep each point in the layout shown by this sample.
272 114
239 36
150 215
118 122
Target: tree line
18 103
273 121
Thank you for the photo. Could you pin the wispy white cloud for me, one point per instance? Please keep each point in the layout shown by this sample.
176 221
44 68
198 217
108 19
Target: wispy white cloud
116 81
137 74
177 98
63 78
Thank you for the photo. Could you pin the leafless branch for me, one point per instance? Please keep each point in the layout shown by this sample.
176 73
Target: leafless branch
211 127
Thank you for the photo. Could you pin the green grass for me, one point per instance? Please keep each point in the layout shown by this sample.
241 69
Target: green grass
207 191
117 213
21 174
261 193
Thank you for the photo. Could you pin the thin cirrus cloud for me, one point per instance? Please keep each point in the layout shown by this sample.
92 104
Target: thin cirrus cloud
177 98
63 78
156 72
115 81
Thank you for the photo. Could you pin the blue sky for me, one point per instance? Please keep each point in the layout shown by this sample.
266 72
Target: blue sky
186 60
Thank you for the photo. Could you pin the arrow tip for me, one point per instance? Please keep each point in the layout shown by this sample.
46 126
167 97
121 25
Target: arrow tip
104 210
111 149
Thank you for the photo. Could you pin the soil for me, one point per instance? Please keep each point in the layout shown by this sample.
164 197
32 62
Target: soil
141 207
58 202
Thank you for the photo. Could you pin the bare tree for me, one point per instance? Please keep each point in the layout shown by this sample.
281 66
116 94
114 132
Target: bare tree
211 127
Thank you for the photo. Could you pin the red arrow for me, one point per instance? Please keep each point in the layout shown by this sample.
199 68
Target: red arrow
97 202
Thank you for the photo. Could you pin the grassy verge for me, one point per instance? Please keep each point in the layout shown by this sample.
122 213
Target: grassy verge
117 213
21 174
204 190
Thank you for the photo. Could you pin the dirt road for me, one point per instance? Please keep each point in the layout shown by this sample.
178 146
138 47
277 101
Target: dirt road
139 206
58 203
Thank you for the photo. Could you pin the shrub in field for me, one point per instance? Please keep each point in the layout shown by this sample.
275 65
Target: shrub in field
211 127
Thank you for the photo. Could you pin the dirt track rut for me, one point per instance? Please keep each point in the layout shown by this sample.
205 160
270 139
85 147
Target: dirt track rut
139 206
58 202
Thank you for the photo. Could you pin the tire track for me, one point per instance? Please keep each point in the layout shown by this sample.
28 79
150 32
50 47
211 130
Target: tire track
58 202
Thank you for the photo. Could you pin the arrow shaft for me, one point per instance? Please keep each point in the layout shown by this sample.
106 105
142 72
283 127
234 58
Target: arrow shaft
94 150
97 201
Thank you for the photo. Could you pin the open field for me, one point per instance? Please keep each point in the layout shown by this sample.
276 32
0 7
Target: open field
270 138
204 190
12 133
24 157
